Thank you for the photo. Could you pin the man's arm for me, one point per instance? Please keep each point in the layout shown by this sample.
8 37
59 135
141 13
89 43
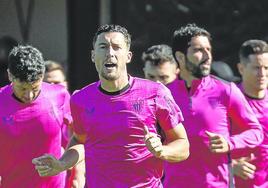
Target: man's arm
48 165
244 119
176 149
78 178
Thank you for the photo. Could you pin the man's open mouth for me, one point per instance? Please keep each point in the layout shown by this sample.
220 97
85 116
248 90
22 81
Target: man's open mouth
110 65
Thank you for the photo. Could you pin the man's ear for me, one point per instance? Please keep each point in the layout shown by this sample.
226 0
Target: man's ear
129 57
180 57
177 71
240 68
144 70
92 55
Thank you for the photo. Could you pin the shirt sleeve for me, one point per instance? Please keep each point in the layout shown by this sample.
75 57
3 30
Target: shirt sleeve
77 113
168 112
67 111
67 120
243 118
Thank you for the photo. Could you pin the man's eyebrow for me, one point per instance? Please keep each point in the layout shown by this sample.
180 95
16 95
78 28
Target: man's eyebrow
102 43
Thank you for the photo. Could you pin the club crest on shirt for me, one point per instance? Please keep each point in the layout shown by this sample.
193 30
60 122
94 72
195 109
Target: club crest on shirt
138 105
213 101
90 110
8 120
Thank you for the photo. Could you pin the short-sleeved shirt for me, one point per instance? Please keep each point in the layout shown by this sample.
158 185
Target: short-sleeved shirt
115 151
28 131
210 105
260 108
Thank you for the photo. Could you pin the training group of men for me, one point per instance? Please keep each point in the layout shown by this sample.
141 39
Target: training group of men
181 127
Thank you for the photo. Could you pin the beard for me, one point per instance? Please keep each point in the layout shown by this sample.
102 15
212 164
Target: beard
196 70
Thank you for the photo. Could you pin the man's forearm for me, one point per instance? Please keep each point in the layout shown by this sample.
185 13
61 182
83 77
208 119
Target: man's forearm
247 139
176 151
73 154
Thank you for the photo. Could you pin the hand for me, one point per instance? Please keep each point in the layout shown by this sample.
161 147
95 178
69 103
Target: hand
244 169
217 143
48 165
153 142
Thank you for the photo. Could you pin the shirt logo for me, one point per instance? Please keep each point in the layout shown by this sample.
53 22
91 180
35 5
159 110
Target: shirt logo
8 120
89 111
214 102
138 105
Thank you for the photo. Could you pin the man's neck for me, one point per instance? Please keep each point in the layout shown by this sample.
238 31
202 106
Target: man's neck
188 78
251 92
114 85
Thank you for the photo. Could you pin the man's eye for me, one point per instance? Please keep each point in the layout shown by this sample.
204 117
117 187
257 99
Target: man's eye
102 46
116 47
163 77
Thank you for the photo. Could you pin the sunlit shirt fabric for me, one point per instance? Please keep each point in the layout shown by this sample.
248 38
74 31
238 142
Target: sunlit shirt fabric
210 105
260 179
30 130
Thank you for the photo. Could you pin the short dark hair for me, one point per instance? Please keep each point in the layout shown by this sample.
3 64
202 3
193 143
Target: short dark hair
53 65
113 28
158 54
26 63
250 47
183 35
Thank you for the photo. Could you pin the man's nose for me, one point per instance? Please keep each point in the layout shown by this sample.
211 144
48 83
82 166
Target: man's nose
262 72
110 52
206 53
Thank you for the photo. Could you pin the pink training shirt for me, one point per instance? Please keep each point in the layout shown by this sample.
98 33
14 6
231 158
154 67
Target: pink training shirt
260 108
116 155
210 105
28 131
